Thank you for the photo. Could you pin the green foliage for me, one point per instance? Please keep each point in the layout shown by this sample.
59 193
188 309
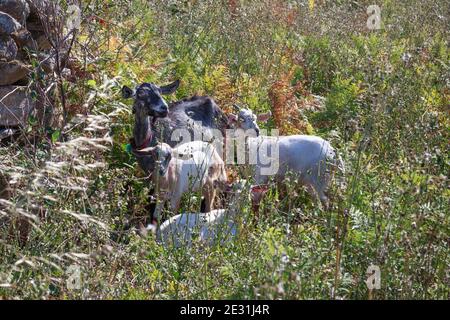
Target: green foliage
385 108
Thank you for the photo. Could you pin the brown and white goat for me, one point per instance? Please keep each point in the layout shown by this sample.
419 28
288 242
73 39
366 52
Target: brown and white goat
191 167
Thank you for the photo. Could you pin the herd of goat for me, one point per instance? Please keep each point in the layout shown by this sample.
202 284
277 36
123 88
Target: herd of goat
198 163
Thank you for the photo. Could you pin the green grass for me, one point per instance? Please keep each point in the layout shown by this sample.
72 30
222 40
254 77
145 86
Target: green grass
388 117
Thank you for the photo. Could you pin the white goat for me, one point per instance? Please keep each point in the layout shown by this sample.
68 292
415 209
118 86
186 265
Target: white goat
190 167
214 227
311 158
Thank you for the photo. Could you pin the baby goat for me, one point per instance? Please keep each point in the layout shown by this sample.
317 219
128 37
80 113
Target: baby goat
217 226
190 167
311 158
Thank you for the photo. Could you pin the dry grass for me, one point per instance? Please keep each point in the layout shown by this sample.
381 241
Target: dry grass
75 194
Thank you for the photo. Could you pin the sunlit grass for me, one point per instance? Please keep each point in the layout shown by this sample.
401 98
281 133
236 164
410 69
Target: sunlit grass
387 114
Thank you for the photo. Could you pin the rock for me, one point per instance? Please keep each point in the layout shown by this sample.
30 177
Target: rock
41 40
8 48
35 25
24 39
8 24
36 5
15 106
12 71
5 189
43 43
18 9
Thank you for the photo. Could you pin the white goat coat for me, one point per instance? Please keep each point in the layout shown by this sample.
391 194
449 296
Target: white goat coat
189 169
192 160
216 226
310 157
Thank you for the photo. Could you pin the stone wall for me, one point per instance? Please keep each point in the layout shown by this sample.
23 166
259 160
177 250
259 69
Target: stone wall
5 190
21 33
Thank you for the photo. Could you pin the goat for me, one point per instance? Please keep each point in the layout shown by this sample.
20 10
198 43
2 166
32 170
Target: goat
214 227
311 158
155 120
190 167
198 117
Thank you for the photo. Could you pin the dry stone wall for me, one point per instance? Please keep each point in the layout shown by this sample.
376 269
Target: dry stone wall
21 32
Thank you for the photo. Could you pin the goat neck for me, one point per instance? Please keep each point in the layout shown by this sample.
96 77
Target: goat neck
142 132
142 138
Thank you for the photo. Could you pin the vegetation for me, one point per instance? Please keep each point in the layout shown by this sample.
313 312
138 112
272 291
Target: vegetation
380 96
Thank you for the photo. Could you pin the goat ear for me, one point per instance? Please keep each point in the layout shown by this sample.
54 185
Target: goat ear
263 117
170 88
127 92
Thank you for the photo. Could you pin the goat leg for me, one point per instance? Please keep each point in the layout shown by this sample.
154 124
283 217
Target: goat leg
209 194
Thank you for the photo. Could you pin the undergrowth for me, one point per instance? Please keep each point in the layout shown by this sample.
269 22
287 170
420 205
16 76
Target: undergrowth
379 96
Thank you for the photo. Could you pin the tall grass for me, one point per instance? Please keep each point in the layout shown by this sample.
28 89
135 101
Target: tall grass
381 98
